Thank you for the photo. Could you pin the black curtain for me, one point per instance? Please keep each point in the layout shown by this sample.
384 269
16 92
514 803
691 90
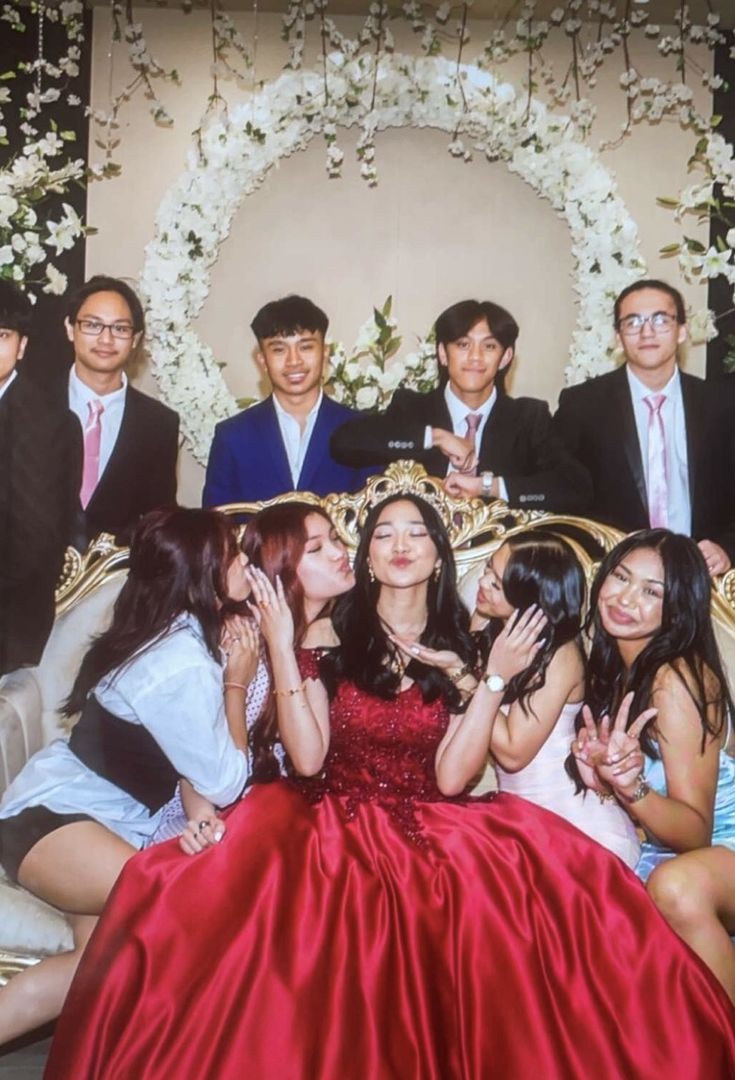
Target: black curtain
720 291
49 353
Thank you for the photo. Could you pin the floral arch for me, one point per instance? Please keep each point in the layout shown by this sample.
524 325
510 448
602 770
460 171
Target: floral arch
235 153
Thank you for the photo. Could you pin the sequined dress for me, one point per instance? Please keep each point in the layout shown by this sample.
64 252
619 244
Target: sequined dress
360 926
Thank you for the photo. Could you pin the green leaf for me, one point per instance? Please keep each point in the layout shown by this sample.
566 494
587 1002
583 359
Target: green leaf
669 203
670 249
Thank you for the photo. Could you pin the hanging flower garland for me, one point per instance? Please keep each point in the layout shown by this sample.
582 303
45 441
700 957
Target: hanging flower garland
235 153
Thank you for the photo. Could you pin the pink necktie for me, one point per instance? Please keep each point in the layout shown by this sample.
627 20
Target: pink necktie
658 488
473 421
92 438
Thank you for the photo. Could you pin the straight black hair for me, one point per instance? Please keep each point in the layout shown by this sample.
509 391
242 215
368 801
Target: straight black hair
15 308
290 315
366 655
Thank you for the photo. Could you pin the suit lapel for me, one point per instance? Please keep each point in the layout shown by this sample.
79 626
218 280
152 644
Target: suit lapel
622 413
318 448
498 434
694 421
273 446
436 414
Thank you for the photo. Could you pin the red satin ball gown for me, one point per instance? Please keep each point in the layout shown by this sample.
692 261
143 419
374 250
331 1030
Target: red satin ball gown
362 927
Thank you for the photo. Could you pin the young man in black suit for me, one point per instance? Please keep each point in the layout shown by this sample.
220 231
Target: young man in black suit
39 486
130 440
468 429
658 443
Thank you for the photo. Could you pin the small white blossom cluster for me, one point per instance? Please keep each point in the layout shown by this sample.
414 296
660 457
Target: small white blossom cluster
236 152
368 377
27 234
713 195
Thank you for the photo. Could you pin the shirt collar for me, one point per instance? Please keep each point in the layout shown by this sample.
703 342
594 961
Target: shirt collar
639 390
458 410
282 413
80 393
10 379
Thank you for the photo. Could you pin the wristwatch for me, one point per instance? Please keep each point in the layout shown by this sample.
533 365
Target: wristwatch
487 478
639 792
495 683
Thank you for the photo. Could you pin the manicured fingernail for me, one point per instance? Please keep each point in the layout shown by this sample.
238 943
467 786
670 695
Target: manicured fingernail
218 836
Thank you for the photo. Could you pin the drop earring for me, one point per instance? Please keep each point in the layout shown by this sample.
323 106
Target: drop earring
437 571
371 572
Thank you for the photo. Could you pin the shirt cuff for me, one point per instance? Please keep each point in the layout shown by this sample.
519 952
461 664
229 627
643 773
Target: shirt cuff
428 439
502 489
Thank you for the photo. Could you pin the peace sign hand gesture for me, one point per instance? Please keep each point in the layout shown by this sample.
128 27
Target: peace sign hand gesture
622 764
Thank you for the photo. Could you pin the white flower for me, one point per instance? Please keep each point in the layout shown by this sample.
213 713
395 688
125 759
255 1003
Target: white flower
6 255
702 326
63 233
715 262
367 397
56 281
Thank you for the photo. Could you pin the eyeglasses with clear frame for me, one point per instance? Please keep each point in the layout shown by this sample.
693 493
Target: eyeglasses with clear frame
94 327
660 322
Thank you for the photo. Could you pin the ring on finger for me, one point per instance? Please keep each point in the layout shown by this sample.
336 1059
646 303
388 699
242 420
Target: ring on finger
202 826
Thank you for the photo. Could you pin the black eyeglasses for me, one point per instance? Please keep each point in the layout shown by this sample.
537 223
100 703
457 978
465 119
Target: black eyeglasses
94 327
660 323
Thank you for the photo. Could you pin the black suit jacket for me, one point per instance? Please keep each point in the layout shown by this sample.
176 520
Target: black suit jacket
517 444
597 423
40 448
140 475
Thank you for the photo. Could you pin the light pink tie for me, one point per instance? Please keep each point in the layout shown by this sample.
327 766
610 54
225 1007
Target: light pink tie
92 439
658 487
473 421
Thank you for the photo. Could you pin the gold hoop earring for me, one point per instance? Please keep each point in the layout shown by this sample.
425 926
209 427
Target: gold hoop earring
371 572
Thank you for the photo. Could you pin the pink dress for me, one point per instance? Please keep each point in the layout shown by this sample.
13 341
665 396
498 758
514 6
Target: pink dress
544 782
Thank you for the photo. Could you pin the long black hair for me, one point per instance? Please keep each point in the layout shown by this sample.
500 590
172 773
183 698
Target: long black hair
178 563
542 569
366 656
685 641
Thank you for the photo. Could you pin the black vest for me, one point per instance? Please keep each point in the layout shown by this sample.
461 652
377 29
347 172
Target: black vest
125 754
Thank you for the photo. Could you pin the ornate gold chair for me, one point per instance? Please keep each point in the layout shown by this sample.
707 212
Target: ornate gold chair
30 699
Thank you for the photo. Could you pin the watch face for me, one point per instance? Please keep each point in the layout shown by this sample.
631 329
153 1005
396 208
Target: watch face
495 683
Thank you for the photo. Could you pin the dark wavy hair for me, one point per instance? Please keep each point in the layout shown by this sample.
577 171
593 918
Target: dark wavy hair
365 655
274 540
685 640
178 563
542 569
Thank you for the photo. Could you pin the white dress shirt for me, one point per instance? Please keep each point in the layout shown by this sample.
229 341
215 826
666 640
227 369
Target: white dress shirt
679 503
173 688
79 397
295 439
11 378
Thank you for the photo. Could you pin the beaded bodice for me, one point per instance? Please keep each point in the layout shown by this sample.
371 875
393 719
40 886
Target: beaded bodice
379 750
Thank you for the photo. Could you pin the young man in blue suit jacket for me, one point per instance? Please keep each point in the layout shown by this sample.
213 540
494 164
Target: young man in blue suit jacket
282 444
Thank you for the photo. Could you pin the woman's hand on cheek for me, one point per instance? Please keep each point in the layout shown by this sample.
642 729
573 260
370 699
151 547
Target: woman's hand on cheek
242 651
271 610
516 645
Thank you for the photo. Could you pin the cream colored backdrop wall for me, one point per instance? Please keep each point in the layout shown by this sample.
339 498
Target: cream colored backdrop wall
435 230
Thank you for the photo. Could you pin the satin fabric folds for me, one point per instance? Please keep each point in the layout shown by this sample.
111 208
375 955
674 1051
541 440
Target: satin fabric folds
359 926
311 945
